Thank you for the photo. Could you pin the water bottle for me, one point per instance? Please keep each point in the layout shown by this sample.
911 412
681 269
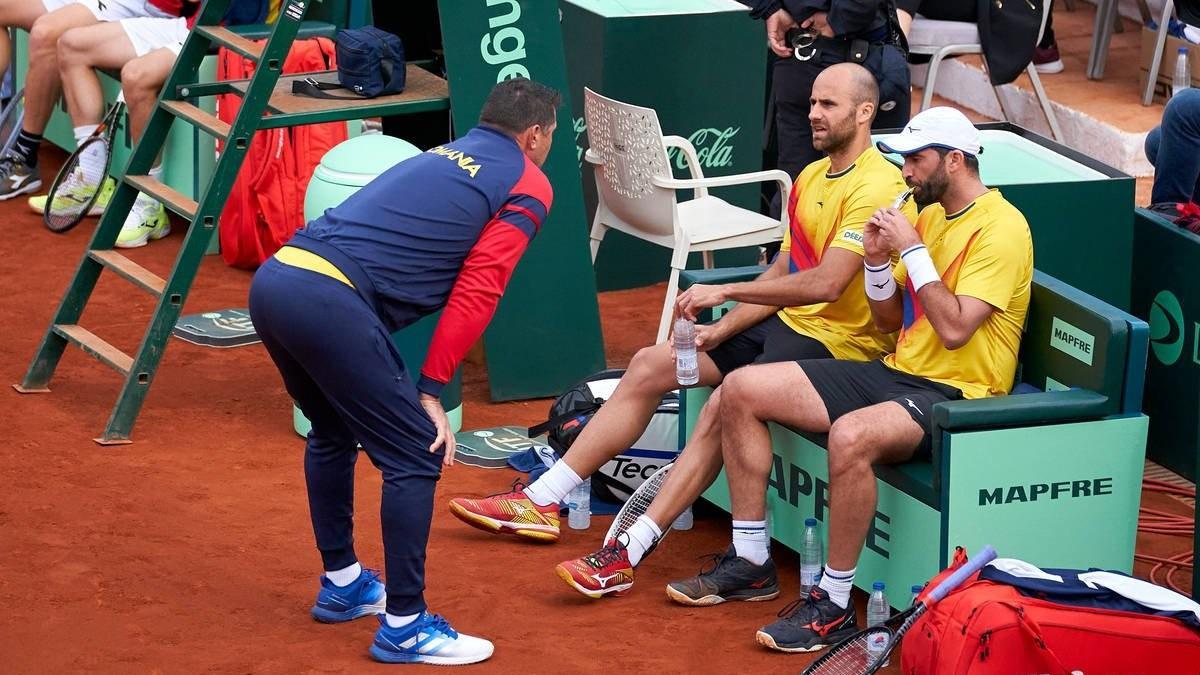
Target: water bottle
687 367
812 556
916 590
1183 72
579 513
684 521
878 612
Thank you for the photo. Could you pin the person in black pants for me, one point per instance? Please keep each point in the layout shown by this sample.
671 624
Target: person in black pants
810 35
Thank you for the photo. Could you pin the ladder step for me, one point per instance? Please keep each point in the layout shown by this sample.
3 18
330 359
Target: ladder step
174 200
130 270
95 346
225 37
201 118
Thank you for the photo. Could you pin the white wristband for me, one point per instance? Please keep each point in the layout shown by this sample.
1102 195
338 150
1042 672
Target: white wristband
880 283
920 267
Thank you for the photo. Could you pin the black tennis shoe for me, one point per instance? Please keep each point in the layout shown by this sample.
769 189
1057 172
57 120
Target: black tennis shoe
808 624
730 578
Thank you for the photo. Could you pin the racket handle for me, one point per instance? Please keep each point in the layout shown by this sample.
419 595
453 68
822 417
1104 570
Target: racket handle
976 563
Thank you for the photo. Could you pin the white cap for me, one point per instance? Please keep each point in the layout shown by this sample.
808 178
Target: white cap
941 127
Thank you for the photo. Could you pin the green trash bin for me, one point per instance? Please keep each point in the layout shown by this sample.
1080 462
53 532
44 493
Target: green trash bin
343 170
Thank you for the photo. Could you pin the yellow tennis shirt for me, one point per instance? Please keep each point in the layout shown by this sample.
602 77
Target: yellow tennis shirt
984 251
828 210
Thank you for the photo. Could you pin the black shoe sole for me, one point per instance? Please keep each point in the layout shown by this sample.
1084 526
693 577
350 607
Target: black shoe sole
752 595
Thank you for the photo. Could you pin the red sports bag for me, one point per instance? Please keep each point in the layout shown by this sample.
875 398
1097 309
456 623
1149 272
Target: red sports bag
986 627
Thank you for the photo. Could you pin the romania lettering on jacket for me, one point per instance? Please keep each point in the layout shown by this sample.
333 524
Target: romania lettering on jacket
440 231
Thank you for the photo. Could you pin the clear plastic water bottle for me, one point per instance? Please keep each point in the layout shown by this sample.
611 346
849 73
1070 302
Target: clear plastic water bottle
812 556
916 590
579 506
687 367
878 612
684 521
1183 72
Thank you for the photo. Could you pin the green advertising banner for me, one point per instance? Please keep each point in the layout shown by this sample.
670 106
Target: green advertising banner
701 65
546 333
1165 294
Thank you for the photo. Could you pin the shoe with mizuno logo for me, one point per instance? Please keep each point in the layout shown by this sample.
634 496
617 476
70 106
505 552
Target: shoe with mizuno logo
364 596
509 513
17 177
730 578
808 624
428 639
598 574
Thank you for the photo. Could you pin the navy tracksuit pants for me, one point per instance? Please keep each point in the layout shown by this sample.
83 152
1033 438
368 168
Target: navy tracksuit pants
339 364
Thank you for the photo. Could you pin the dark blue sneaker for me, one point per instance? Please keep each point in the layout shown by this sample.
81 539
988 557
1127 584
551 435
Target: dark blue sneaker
429 639
365 595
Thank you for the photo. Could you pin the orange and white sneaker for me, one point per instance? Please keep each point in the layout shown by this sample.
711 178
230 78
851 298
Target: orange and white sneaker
607 571
509 513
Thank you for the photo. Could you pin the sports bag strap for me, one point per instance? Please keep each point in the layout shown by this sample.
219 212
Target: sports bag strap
1031 628
539 429
313 89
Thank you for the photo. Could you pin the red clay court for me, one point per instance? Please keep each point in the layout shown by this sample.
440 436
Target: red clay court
191 549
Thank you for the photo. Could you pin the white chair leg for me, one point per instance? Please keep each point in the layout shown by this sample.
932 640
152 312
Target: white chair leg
1047 109
708 260
931 80
598 232
1156 62
664 323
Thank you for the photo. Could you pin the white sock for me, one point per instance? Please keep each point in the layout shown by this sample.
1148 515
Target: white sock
640 537
397 621
837 585
91 162
156 172
751 541
344 576
81 133
554 485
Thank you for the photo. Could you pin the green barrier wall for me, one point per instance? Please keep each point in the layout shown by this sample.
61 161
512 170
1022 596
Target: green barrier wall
698 64
1165 293
546 333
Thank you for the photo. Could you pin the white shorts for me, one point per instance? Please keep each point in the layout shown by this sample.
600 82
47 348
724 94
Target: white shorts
110 10
148 34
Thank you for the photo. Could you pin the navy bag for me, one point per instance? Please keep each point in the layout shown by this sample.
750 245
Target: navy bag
370 63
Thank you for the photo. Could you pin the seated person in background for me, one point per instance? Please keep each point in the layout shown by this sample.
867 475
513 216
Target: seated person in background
816 281
1173 148
144 50
959 298
46 20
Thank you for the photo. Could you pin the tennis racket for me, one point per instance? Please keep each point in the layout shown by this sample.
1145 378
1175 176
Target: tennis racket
77 185
865 652
10 121
638 503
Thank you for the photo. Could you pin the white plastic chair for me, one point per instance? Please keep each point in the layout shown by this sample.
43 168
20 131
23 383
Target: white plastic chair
636 192
940 39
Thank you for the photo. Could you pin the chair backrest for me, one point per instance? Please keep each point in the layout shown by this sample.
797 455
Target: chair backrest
628 140
1075 340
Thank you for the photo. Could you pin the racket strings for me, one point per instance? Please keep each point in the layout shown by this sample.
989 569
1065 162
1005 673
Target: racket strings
93 163
605 556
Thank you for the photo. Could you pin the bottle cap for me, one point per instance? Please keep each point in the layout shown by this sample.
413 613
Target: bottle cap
810 522
1183 50
878 585
917 588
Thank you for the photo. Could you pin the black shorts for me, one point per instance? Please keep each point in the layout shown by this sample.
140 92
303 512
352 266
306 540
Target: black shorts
769 341
846 386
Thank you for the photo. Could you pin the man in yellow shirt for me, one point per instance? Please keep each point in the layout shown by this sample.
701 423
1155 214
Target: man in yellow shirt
959 298
809 303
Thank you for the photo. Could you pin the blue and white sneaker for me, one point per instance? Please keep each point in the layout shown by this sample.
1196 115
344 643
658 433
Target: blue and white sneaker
365 595
428 639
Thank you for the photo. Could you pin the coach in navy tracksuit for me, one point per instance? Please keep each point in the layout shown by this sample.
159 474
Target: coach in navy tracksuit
440 231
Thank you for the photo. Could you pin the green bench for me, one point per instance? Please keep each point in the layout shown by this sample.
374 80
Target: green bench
1050 474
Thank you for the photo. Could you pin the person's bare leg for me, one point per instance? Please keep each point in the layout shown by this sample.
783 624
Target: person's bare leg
695 469
42 83
623 418
80 52
779 392
879 434
16 14
141 80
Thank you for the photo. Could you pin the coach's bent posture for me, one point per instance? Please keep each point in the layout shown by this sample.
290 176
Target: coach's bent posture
959 298
442 229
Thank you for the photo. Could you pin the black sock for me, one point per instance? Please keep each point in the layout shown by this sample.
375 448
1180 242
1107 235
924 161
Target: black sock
26 146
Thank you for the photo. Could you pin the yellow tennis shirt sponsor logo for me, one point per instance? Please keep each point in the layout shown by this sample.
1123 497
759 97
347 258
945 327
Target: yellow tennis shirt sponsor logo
465 162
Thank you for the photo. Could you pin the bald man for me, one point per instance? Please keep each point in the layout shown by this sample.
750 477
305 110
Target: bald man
809 304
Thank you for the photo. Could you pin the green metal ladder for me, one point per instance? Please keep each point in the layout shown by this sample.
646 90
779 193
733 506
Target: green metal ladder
182 86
